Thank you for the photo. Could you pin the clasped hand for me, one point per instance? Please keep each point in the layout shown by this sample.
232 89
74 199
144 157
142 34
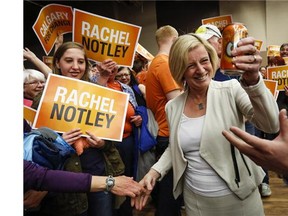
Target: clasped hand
148 182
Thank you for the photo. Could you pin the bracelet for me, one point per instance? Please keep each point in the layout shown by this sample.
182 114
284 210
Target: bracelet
110 182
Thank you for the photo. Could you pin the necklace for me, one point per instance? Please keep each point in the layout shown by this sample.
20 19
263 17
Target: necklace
200 105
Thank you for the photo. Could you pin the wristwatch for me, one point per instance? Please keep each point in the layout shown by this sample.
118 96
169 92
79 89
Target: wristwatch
110 182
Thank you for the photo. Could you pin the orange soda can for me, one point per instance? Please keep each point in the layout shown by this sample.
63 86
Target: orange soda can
231 35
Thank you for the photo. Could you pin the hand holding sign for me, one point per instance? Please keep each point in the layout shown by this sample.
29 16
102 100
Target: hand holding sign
72 136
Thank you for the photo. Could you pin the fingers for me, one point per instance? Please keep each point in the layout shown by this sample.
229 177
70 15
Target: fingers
246 56
137 120
245 41
250 145
94 141
238 143
139 202
247 138
132 201
107 67
71 136
283 119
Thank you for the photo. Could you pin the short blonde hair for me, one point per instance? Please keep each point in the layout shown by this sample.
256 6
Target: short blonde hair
31 75
164 33
178 57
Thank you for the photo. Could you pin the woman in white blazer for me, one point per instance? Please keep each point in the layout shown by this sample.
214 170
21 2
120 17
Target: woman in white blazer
214 177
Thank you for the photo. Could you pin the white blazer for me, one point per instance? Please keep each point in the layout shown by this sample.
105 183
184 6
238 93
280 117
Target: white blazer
227 105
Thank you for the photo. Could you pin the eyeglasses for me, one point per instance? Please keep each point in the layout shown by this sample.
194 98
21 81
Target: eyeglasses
36 83
123 75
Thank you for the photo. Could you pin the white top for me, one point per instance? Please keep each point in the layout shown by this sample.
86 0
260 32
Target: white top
199 176
227 104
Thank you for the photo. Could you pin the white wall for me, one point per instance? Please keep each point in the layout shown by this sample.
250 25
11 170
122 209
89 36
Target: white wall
277 22
265 20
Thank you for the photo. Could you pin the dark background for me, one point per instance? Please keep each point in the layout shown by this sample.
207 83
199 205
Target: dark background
185 16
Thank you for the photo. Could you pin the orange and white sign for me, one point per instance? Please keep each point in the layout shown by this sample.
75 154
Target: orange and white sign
29 114
258 44
105 38
219 21
273 50
272 86
52 19
69 103
143 52
279 74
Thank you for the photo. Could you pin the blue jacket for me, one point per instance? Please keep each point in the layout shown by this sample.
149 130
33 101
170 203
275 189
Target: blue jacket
46 148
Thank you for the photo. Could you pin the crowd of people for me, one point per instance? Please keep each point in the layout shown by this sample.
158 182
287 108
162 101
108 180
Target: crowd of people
199 164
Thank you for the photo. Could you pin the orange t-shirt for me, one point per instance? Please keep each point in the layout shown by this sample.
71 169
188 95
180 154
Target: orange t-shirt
159 82
130 110
141 77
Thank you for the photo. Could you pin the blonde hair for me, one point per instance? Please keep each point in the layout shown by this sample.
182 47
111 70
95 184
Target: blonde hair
178 57
164 33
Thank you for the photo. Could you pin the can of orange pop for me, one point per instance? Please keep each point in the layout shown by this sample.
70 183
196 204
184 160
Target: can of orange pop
231 35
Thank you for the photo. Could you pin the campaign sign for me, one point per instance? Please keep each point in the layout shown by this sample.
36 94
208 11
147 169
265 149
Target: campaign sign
272 86
145 53
105 38
219 21
69 103
258 44
53 19
29 114
279 74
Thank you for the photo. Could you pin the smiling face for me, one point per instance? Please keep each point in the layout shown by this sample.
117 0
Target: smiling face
199 70
33 88
123 75
72 63
284 51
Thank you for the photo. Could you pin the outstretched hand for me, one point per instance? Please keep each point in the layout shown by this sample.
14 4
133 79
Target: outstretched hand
269 154
28 54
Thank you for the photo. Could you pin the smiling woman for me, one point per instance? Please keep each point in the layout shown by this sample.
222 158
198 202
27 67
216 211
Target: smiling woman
33 84
196 120
70 60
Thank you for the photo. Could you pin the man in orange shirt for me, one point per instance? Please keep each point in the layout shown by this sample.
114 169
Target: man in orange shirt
160 88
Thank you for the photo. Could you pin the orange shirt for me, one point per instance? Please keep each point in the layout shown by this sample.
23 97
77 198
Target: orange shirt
130 111
159 82
141 77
